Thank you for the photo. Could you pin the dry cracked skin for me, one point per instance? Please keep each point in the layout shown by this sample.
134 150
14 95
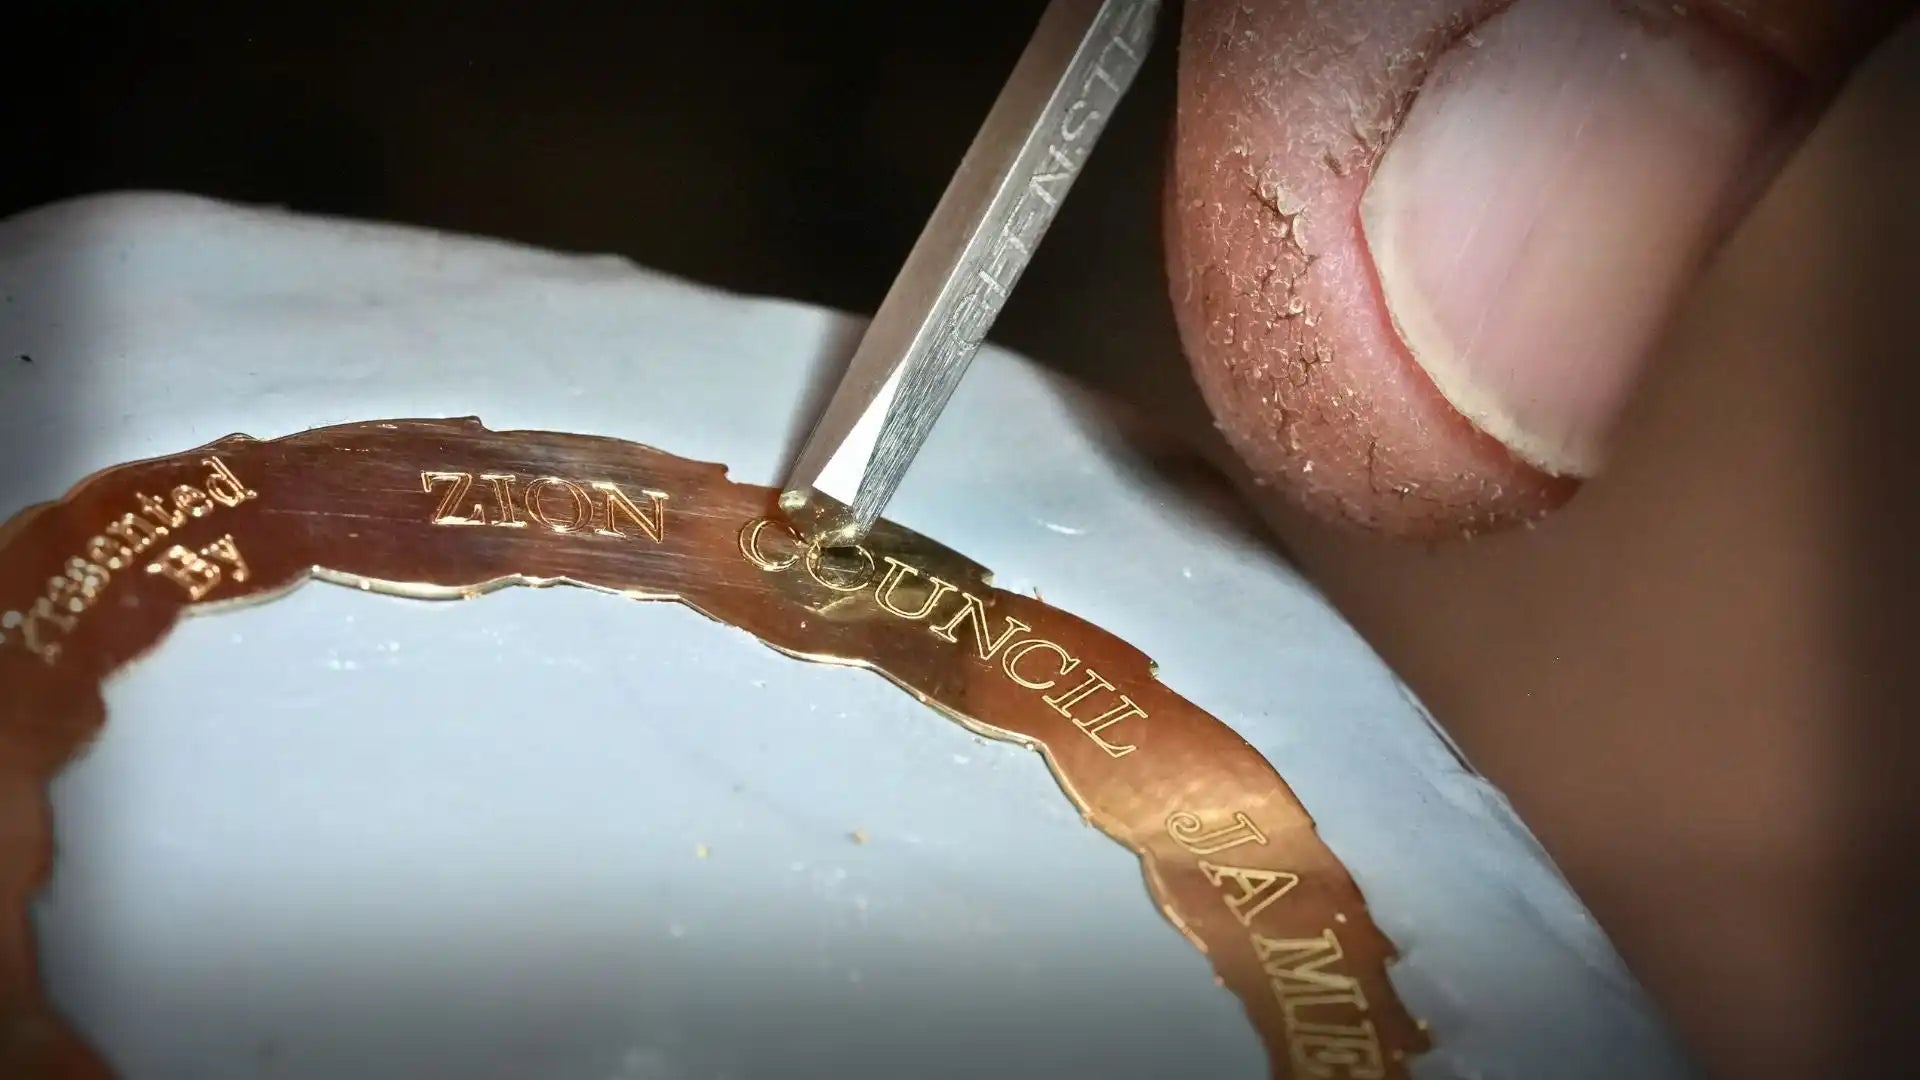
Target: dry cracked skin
1285 112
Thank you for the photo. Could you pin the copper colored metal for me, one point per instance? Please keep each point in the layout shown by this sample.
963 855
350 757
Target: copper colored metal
446 508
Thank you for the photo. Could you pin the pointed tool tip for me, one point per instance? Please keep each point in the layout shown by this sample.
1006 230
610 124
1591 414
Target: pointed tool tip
822 519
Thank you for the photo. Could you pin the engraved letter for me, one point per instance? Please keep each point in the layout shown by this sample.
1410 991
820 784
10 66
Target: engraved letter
1296 967
1100 72
108 553
192 500
137 533
158 510
226 551
91 578
750 545
457 485
1000 255
896 571
1107 719
226 488
974 613
582 505
1064 702
508 517
1019 216
43 611
1336 1051
819 570
1038 185
64 594
1070 130
185 568
1192 834
77 589
655 527
1012 656
1257 888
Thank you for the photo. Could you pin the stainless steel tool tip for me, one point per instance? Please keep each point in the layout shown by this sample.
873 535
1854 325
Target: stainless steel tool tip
1082 58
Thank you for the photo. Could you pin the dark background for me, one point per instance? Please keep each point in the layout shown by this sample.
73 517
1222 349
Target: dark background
791 149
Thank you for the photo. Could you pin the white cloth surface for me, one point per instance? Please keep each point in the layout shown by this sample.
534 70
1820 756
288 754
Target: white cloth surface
253 880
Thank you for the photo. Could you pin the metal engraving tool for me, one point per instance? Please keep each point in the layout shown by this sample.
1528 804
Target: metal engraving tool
1035 140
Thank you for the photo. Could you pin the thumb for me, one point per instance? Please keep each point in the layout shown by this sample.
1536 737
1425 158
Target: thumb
1421 249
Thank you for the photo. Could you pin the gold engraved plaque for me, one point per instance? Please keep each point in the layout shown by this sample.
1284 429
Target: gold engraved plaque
446 508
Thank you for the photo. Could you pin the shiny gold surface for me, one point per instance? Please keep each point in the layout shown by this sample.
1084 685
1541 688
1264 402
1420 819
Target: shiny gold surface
434 508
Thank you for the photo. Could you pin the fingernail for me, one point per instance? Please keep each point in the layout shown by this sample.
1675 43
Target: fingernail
1557 182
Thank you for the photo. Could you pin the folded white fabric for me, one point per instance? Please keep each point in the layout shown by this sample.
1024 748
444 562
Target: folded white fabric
559 833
